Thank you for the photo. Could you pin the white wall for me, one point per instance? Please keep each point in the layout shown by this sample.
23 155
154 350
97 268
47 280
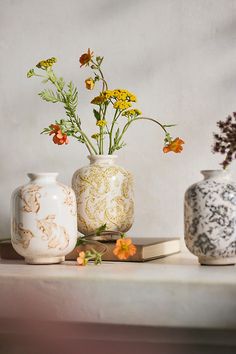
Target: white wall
178 56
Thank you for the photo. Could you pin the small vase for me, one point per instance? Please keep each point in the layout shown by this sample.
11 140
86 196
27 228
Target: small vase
43 222
210 219
104 194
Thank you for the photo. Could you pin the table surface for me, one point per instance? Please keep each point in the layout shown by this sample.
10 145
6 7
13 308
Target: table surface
170 292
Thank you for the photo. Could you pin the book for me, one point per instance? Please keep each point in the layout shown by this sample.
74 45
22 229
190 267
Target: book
147 249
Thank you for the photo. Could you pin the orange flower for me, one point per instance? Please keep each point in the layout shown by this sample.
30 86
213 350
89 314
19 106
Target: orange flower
85 58
175 146
59 138
124 248
89 83
82 260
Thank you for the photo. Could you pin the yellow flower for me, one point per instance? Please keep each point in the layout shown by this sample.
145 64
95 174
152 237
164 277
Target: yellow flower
133 98
98 100
89 83
132 112
44 64
124 248
107 94
101 123
95 136
82 260
122 105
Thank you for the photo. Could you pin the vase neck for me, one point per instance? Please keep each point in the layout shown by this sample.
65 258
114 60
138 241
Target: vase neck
43 177
216 174
102 159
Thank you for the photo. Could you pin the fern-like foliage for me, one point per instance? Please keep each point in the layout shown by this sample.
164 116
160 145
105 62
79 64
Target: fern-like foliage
71 100
50 96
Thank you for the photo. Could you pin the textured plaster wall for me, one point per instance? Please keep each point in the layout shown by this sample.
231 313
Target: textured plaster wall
178 56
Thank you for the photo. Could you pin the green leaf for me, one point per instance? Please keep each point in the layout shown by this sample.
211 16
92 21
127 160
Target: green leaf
96 114
61 83
49 96
101 229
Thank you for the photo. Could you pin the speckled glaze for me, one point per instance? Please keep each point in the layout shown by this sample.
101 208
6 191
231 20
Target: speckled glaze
104 193
43 219
210 218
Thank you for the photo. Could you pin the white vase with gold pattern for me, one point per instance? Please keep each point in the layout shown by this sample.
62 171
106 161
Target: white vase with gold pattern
104 193
44 220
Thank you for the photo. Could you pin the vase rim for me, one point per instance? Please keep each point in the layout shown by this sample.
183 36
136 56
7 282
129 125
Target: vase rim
102 156
34 175
215 173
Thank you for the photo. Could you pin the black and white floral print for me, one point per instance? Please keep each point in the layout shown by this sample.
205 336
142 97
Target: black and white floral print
210 218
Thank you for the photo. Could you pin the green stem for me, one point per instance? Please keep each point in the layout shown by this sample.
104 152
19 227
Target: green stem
139 118
88 143
111 131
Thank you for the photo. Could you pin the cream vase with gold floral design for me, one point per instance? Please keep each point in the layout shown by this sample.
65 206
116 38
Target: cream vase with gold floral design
104 193
43 223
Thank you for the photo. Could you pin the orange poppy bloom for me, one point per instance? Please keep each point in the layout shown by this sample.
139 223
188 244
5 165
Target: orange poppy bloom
82 260
59 138
124 248
175 146
85 58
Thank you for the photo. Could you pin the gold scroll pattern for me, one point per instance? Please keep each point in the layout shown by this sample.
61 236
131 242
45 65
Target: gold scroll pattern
104 195
21 236
55 235
30 197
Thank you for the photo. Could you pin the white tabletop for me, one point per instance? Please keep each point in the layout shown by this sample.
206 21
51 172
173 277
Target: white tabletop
169 292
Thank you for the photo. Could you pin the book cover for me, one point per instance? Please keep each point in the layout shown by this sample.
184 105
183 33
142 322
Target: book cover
147 249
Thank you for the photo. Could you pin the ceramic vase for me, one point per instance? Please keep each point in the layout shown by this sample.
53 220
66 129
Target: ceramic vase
43 221
104 194
210 219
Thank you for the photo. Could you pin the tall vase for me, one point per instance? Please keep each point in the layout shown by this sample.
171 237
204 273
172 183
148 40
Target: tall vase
104 194
210 218
43 220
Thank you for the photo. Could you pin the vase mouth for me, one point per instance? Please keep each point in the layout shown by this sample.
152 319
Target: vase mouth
215 173
42 175
107 159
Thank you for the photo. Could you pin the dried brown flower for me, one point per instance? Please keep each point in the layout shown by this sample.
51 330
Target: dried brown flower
225 142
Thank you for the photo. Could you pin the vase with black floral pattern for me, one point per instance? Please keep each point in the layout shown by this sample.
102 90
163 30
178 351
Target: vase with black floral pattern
210 218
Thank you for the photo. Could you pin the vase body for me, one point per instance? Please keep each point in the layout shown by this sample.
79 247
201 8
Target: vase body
104 194
43 219
210 219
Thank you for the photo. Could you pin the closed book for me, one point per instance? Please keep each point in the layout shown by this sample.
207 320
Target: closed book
147 249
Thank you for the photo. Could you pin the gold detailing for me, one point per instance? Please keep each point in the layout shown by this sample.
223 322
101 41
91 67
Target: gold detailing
104 195
56 235
30 196
69 199
21 236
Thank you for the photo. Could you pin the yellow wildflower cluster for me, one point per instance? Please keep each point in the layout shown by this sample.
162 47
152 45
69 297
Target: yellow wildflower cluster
132 112
120 95
122 105
101 123
122 98
44 64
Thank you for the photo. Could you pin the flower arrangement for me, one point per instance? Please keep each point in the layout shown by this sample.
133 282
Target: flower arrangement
116 103
109 136
225 142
